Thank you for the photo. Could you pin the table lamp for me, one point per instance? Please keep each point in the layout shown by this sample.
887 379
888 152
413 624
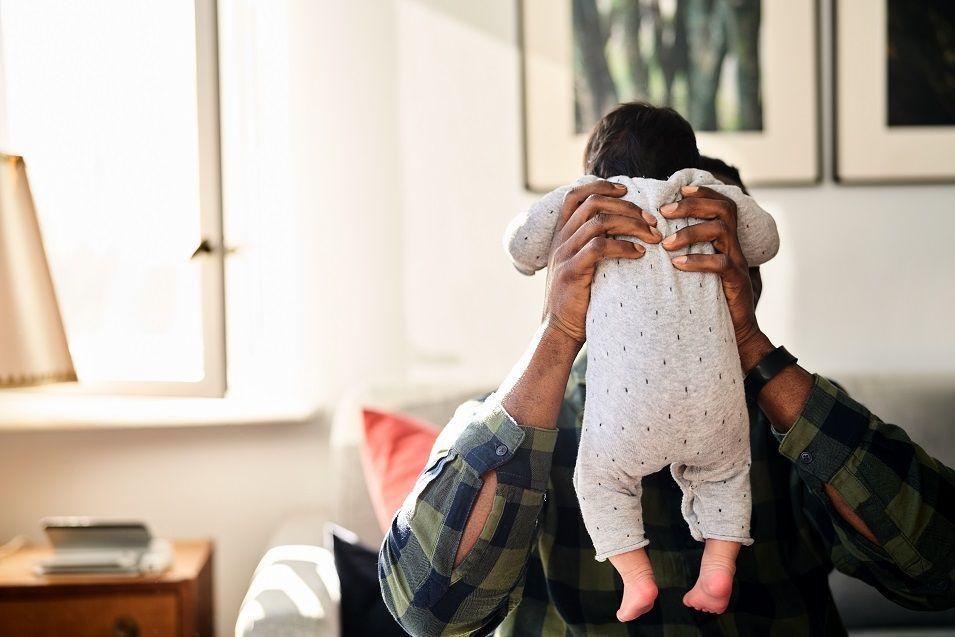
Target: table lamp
33 349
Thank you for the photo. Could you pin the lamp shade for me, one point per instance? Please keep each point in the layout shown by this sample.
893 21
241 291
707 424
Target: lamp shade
33 347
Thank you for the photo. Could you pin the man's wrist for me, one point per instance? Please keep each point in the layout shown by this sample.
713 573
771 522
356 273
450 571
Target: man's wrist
752 349
559 341
785 395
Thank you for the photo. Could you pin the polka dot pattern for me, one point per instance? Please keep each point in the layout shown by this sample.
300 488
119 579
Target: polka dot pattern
672 330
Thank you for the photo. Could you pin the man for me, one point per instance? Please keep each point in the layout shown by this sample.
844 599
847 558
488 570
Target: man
492 535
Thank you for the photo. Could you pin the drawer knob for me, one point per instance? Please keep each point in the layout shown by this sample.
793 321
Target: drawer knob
126 627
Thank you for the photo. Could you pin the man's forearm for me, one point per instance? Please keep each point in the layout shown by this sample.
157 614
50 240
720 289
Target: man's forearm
532 395
782 400
534 391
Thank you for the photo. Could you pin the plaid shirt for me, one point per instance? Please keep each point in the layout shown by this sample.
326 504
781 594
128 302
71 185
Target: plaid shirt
532 572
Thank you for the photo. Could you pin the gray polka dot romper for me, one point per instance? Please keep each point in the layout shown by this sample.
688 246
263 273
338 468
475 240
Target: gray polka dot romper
664 384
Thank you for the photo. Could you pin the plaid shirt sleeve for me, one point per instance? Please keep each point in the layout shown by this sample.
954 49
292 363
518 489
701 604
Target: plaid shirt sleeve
906 498
422 588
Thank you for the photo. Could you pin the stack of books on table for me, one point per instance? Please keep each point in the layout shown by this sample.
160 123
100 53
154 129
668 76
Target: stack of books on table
88 545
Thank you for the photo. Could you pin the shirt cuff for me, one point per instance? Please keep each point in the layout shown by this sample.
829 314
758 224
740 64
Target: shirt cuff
826 433
522 456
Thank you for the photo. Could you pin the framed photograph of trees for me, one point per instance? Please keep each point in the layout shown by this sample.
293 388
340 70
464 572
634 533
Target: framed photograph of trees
743 72
894 88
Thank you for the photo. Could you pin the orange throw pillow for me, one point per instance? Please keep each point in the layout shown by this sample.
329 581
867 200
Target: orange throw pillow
394 454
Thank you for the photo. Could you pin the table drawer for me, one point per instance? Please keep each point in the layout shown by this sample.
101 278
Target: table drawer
119 615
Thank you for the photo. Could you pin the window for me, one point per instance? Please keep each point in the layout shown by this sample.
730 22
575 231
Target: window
114 106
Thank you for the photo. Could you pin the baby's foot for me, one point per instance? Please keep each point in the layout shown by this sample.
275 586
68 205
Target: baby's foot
711 594
639 589
638 597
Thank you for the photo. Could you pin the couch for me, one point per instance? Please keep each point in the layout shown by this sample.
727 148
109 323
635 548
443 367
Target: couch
294 590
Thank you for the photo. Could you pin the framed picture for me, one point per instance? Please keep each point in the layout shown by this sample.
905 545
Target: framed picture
743 72
894 88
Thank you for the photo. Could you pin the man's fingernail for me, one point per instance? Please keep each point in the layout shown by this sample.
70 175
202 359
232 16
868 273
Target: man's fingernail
650 219
679 260
669 241
655 232
688 189
667 209
619 186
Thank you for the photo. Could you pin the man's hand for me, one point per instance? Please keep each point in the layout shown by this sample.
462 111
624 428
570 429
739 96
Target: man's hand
783 397
590 213
533 392
718 228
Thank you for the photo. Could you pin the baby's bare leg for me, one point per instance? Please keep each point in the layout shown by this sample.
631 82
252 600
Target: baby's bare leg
639 589
711 594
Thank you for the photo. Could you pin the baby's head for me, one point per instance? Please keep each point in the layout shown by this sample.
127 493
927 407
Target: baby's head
640 140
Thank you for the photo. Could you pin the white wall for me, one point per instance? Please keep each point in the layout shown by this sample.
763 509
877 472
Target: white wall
386 159
309 147
863 282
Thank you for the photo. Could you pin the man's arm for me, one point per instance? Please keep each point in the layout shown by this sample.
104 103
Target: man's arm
532 396
783 400
891 505
422 585
453 561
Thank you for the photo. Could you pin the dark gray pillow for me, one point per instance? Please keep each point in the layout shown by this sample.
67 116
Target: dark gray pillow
363 611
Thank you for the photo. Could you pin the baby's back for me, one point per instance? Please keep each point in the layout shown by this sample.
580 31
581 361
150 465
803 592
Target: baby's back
659 339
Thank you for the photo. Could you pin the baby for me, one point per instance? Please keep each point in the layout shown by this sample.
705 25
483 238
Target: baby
664 383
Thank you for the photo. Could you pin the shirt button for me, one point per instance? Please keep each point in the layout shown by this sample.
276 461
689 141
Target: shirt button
501 450
806 457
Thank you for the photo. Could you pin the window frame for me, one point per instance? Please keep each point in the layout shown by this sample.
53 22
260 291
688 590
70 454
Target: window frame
209 261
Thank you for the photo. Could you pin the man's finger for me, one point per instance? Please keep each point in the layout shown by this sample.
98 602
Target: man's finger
603 223
718 263
597 204
702 192
723 209
579 194
600 248
697 233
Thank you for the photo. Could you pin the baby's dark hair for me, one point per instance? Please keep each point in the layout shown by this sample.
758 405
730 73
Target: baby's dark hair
637 139
722 171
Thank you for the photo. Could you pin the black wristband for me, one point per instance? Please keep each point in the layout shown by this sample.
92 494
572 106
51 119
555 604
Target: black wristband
765 370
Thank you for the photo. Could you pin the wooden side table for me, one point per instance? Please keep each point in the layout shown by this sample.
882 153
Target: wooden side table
176 603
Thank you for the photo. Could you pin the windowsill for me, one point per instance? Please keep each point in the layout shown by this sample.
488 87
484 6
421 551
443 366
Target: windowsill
40 411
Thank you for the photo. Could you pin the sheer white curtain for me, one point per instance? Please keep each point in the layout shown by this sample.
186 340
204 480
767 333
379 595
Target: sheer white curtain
311 187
